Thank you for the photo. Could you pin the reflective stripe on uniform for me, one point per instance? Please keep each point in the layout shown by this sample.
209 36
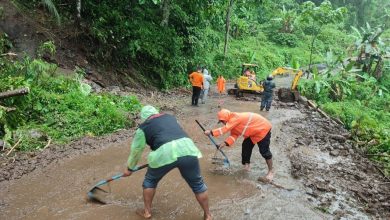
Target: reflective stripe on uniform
234 140
247 124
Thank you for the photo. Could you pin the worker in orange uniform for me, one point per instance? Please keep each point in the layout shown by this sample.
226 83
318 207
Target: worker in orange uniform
255 129
221 84
196 79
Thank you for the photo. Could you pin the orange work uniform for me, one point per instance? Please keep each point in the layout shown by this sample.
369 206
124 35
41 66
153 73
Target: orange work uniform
196 79
221 84
248 124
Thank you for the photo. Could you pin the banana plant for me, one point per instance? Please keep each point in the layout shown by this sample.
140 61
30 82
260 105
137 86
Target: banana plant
369 46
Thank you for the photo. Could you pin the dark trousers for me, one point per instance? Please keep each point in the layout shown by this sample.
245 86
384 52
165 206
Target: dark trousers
195 95
247 147
189 170
266 101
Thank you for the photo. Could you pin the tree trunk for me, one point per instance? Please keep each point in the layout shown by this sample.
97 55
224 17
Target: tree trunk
379 68
311 56
228 12
16 92
311 52
312 48
78 9
78 15
166 8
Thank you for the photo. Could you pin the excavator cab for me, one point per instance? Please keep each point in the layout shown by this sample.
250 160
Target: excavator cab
246 82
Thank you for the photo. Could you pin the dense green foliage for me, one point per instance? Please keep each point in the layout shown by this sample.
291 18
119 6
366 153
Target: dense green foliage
167 46
58 107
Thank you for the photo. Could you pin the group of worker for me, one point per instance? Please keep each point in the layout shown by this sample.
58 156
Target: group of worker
201 80
171 147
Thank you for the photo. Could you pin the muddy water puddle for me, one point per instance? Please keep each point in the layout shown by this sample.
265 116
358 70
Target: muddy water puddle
59 192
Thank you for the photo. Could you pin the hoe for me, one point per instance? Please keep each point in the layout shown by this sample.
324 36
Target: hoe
93 193
226 162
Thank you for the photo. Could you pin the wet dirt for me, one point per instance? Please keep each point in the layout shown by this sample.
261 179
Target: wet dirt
326 183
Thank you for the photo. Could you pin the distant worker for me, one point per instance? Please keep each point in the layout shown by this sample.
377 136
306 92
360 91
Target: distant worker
255 129
196 79
171 148
221 84
266 99
252 76
206 85
247 72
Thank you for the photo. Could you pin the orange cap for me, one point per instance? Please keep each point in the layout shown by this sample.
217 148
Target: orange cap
224 115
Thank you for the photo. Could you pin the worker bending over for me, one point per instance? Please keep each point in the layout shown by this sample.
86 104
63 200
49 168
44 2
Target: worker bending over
255 129
171 148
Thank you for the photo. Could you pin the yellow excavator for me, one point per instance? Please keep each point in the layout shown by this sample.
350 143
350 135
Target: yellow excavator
247 81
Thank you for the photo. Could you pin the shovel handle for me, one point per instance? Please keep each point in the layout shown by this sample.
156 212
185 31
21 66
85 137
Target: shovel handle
200 125
139 168
122 174
215 144
211 138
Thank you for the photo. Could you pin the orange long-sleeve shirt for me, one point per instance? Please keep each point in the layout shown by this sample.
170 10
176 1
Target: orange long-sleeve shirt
196 79
221 84
248 124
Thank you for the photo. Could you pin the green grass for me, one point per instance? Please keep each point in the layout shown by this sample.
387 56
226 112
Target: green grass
58 108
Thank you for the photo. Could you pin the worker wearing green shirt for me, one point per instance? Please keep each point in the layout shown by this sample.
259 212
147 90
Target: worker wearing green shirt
171 148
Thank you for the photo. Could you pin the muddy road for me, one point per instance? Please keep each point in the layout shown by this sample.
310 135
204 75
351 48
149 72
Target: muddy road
322 177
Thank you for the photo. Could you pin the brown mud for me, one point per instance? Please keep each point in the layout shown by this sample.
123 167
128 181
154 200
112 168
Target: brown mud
312 156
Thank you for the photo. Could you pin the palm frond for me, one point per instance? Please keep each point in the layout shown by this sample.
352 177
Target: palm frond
52 9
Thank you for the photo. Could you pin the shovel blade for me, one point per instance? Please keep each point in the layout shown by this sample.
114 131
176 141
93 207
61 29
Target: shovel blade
97 194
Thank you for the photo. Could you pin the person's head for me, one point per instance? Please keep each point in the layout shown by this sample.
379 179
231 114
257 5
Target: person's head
224 116
199 69
270 77
148 111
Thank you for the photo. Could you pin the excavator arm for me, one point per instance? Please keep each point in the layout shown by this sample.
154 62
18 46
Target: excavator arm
284 70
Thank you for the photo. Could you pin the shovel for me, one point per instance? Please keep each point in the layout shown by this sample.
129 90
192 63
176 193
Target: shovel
92 193
226 162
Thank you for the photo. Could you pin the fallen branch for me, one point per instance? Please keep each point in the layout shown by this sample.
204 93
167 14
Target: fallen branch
7 109
378 155
312 104
9 54
381 171
17 143
16 92
48 143
337 120
323 113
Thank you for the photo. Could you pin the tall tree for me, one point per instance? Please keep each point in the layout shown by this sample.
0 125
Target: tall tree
52 9
318 16
228 12
166 11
